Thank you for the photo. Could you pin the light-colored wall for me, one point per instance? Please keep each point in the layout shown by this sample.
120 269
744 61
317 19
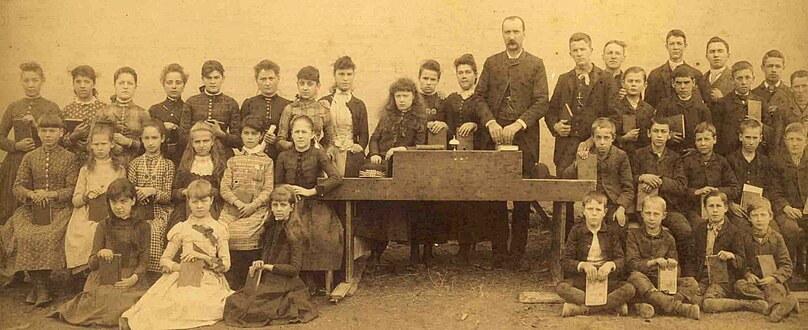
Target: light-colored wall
386 38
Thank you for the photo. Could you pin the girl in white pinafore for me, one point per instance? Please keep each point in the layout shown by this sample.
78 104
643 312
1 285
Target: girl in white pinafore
94 178
169 306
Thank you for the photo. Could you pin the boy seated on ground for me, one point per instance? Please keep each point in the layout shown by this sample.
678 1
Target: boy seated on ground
649 249
763 241
719 238
593 250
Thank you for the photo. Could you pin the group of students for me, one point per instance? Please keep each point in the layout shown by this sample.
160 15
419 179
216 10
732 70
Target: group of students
230 186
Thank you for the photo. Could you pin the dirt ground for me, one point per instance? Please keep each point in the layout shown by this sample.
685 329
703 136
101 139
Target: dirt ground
444 297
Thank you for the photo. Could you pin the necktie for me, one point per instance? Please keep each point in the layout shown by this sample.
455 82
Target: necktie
712 233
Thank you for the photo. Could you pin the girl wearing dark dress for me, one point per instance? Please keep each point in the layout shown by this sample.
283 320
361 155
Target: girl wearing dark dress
267 105
215 108
82 109
173 78
281 297
122 233
24 112
322 231
402 125
202 159
469 222
126 116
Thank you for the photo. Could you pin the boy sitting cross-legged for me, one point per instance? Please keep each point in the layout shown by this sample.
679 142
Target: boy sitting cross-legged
593 250
649 249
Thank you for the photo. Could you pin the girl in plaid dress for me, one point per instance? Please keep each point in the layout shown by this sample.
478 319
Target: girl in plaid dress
246 185
94 178
152 174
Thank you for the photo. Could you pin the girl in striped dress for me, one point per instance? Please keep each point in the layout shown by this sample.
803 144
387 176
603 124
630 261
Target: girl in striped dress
246 185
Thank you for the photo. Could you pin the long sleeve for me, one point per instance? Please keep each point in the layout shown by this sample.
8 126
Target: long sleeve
173 246
373 145
362 121
233 137
24 181
6 124
81 188
178 186
539 95
626 184
785 266
226 189
569 261
731 187
481 94
186 121
674 183
269 184
618 256
99 242
283 129
556 106
71 176
143 245
634 259
223 251
280 171
295 261
164 190
334 179
328 128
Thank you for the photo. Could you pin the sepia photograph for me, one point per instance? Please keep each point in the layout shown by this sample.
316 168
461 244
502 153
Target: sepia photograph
388 164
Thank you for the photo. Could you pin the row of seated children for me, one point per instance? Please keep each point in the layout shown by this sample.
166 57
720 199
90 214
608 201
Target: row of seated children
593 253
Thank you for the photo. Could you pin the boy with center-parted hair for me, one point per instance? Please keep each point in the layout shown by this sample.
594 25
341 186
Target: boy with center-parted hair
706 172
772 89
790 184
593 250
751 167
649 249
684 103
632 106
659 80
658 168
613 173
763 280
719 238
732 109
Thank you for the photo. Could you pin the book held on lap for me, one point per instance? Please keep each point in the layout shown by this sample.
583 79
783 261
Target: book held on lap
767 265
109 272
41 215
667 279
596 292
191 273
251 284
717 270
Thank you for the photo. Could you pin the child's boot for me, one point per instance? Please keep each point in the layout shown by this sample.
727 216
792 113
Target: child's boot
781 310
645 311
570 309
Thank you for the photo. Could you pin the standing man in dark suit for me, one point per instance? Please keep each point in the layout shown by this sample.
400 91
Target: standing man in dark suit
716 82
581 95
512 97
660 80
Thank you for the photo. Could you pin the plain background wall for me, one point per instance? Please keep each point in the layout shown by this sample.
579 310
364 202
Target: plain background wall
386 38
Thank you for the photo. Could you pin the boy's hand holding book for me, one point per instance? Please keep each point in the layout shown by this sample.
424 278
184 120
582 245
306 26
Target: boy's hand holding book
737 210
25 145
725 256
768 280
792 213
631 136
651 180
605 270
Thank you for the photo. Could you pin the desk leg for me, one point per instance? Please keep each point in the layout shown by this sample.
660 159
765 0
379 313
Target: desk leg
346 288
557 248
349 242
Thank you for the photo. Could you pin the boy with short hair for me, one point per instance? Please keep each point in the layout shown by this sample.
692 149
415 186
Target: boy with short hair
790 186
794 111
593 250
751 167
308 85
734 107
614 172
706 171
772 89
685 104
632 105
658 167
659 80
648 249
762 241
720 238
716 82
